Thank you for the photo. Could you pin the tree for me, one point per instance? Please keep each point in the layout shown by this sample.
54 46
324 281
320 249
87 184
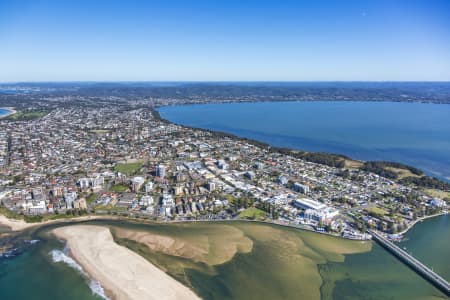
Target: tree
392 228
320 223
276 214
363 227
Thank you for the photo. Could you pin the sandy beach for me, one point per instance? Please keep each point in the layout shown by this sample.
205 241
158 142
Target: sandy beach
10 110
122 273
15 225
18 225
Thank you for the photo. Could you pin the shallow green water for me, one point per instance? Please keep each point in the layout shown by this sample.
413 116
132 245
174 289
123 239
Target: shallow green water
429 241
377 275
281 265
269 272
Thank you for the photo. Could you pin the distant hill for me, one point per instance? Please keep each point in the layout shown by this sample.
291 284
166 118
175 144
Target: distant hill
187 92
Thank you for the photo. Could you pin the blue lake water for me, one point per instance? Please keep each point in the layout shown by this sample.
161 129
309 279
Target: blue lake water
416 134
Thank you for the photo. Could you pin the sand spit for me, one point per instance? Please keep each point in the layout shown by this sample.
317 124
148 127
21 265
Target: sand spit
123 273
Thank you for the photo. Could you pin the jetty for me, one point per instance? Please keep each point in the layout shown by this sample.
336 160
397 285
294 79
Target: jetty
413 263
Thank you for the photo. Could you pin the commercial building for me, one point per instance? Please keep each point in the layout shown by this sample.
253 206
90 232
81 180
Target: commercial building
137 183
305 203
211 186
282 180
301 188
149 187
314 210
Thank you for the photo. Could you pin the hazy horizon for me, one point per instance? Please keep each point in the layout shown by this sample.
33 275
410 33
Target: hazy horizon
222 81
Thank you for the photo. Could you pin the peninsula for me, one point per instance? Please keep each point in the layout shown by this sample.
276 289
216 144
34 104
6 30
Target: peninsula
74 153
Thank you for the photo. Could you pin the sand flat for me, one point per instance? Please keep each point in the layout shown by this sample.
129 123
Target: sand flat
123 273
213 245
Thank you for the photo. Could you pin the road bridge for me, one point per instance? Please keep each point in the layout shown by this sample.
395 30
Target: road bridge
413 263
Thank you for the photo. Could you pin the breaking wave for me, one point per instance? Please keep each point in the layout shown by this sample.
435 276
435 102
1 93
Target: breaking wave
97 289
32 242
61 256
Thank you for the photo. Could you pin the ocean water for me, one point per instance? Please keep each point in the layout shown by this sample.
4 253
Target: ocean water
43 271
3 112
416 134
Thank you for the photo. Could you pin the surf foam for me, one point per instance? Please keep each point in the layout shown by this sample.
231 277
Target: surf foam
61 256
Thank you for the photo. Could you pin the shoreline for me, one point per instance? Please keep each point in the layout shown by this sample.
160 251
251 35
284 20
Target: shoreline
157 115
17 225
11 111
20 225
231 101
419 220
122 273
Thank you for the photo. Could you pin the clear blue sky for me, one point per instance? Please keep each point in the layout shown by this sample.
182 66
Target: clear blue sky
224 40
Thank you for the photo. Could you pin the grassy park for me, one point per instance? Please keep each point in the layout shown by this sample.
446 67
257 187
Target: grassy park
253 213
128 168
119 188
26 115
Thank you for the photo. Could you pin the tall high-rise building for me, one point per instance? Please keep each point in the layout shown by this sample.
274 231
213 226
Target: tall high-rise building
161 171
